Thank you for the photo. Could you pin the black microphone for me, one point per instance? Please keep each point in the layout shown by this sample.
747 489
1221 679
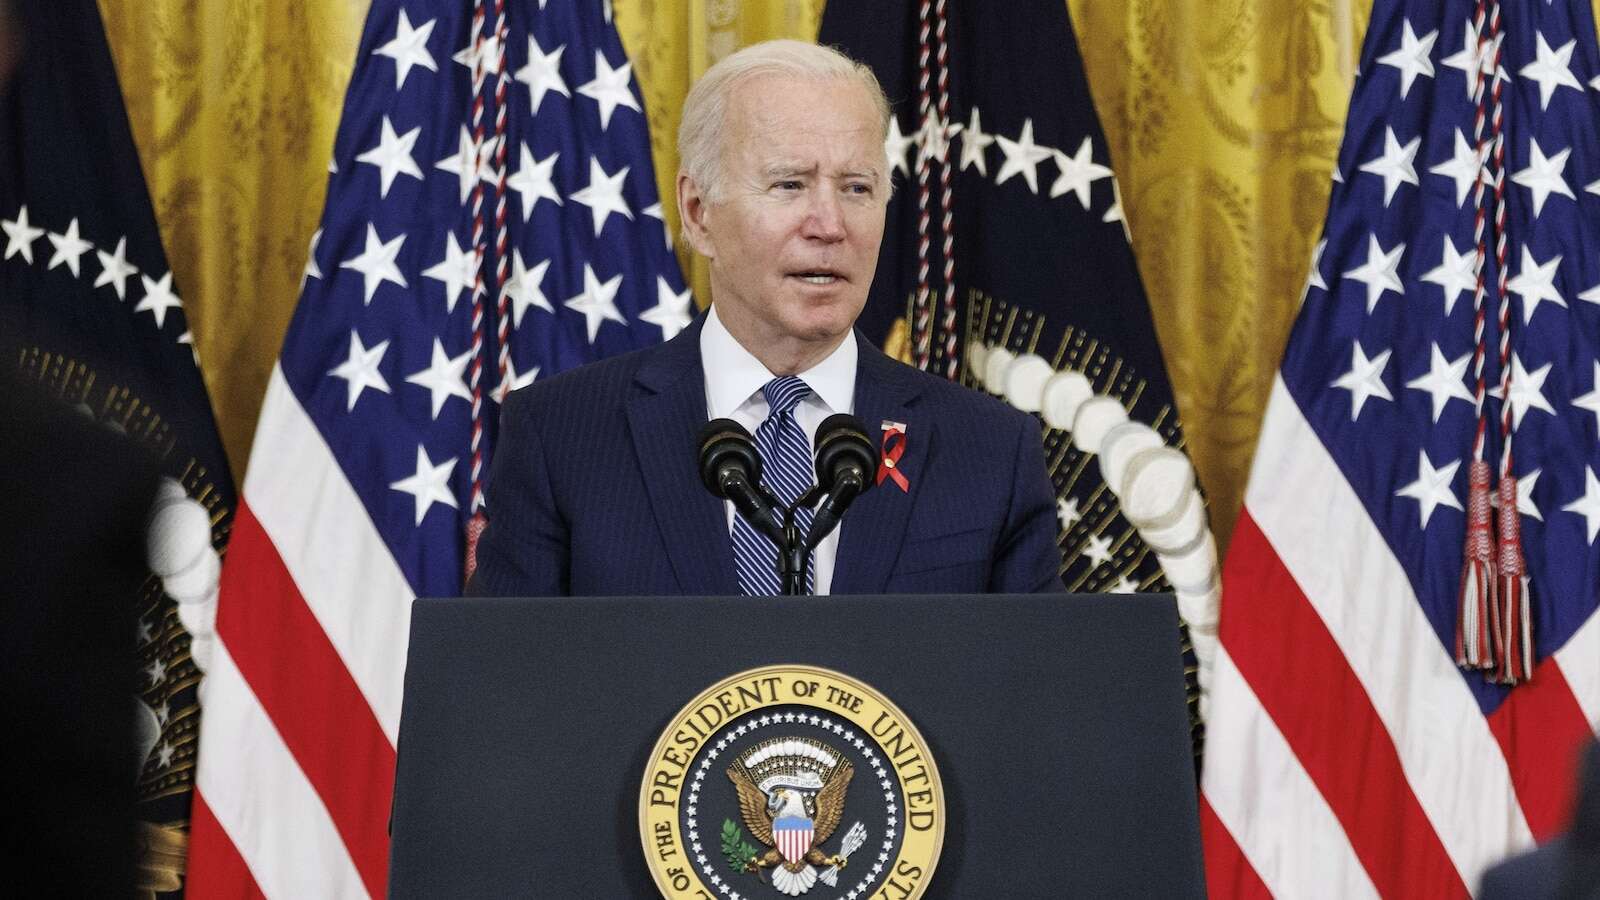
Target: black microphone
846 461
731 469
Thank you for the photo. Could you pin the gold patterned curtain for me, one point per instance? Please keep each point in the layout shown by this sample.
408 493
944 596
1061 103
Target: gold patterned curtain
670 43
1223 118
234 104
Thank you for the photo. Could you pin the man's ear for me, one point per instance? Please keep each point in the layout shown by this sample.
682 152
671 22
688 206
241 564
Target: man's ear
693 205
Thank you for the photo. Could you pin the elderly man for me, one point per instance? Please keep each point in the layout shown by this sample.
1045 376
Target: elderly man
595 489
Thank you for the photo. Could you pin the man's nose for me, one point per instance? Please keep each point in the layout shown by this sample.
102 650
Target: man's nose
825 218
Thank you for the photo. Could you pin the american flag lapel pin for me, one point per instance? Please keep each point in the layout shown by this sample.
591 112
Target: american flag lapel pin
891 448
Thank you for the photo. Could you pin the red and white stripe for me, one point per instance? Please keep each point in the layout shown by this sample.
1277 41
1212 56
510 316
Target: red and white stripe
1346 755
303 703
794 842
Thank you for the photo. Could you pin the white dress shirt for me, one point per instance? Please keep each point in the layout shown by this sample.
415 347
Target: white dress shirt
734 379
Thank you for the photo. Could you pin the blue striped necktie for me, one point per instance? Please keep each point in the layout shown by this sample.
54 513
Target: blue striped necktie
785 471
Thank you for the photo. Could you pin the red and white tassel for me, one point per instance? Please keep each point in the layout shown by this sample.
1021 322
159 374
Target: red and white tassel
1474 648
1477 599
1514 634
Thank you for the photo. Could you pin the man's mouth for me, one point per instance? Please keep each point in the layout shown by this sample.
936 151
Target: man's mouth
818 277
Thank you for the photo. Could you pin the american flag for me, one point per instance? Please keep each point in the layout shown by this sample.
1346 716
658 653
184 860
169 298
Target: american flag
1355 748
492 218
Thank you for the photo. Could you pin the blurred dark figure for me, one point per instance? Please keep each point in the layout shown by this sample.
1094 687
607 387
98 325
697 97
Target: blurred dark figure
1568 867
100 333
71 554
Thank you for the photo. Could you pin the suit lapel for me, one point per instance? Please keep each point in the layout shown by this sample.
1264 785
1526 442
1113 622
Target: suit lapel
875 525
665 416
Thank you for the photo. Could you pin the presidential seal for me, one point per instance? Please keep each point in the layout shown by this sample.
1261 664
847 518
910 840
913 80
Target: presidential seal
791 780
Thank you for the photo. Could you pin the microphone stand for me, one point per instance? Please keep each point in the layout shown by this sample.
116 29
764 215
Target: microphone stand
792 555
795 548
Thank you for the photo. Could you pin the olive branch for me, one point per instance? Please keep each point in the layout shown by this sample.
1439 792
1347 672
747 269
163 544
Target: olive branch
735 849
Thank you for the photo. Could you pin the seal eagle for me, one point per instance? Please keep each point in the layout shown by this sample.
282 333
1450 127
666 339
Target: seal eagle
822 811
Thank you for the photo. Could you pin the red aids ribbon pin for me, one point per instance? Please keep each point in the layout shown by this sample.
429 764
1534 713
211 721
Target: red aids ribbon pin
893 447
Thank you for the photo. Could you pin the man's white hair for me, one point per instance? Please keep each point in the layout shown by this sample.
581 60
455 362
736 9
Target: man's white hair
702 133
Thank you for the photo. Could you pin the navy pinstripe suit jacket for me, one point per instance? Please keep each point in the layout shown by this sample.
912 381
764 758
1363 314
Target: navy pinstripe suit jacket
594 489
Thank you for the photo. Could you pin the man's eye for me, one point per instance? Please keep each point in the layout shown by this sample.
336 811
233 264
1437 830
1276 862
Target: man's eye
861 189
787 185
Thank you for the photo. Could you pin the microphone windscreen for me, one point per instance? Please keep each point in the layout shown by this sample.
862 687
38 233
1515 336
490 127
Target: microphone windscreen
724 443
721 428
842 440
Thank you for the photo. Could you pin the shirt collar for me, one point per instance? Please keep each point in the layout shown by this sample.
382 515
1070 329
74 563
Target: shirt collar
733 374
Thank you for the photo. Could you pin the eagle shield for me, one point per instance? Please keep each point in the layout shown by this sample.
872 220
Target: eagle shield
793 837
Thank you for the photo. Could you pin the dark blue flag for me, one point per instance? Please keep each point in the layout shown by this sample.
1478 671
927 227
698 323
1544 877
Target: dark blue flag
1006 265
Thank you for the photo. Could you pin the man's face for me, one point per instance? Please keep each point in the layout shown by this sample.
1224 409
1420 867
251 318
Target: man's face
793 237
